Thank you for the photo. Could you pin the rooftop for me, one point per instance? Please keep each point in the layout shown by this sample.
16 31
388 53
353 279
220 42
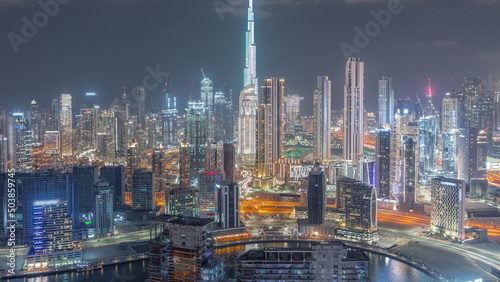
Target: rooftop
182 220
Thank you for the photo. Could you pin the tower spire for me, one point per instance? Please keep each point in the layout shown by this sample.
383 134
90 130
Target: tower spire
250 70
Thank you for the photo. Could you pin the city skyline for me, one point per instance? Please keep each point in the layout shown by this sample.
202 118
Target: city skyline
450 56
181 177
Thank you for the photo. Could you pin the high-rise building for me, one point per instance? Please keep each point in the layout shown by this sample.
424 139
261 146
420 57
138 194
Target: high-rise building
410 169
183 251
196 133
140 99
427 138
472 151
87 176
52 227
448 207
103 209
214 156
170 124
223 117
115 176
52 243
227 198
316 195
66 125
332 261
182 201
353 128
45 186
270 126
450 113
133 161
249 97
292 105
247 135
322 108
383 163
184 164
87 129
20 146
158 169
143 190
34 120
250 70
385 101
229 161
360 205
3 153
207 92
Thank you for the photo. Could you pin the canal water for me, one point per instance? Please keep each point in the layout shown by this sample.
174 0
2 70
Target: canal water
381 269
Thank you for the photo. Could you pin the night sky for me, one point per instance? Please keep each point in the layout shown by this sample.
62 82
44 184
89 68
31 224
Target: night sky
104 45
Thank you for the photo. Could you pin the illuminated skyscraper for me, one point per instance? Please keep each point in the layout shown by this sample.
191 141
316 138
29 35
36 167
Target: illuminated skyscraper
115 176
184 165
353 128
214 158
183 251
250 70
140 99
292 105
270 126
316 195
448 207
3 153
223 117
46 185
249 96
169 122
383 163
196 133
66 125
143 190
359 201
385 101
20 146
410 169
103 209
229 161
472 148
87 176
34 120
87 130
158 170
246 126
207 92
182 201
322 108
427 136
227 198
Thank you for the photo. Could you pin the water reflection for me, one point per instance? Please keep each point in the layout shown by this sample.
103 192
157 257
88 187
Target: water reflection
381 269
